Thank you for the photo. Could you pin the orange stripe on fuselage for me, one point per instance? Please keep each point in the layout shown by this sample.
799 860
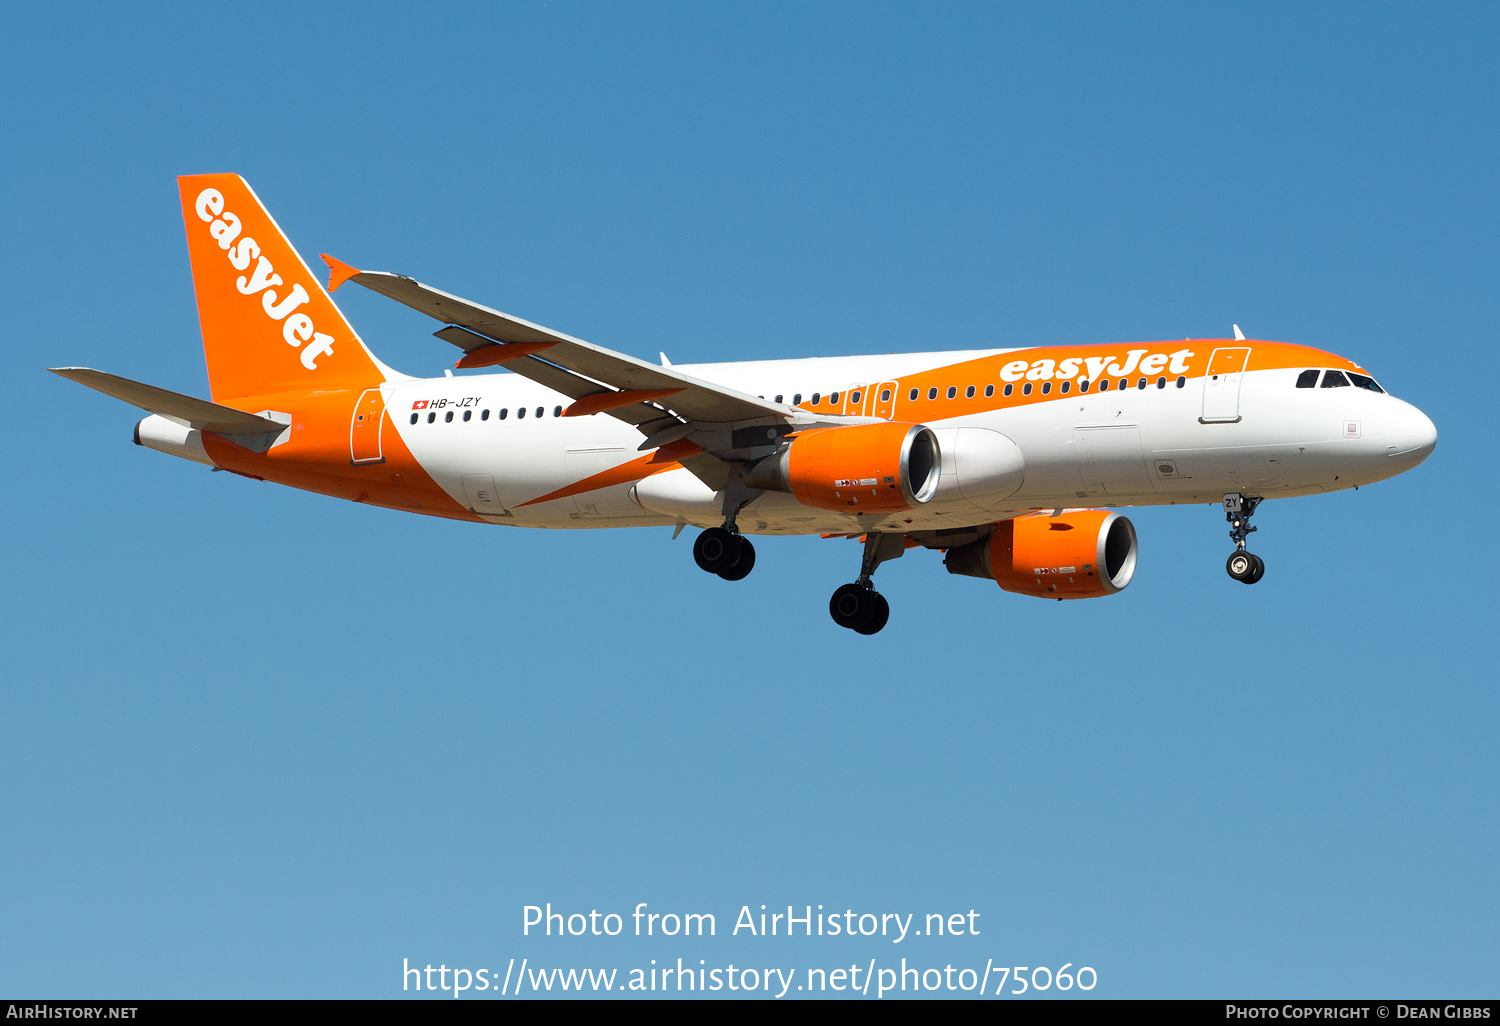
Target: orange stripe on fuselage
665 458
317 457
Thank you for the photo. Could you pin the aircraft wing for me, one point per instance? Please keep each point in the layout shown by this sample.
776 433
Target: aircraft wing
605 381
196 413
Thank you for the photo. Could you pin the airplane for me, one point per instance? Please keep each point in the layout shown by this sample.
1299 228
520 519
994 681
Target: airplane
1011 462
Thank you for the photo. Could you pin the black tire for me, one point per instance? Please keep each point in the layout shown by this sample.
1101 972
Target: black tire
716 550
882 614
852 606
1241 566
746 563
1258 572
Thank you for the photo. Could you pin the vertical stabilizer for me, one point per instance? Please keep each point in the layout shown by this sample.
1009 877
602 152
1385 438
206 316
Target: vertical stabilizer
268 326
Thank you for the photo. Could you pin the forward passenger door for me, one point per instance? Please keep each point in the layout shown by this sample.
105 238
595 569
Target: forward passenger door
1221 385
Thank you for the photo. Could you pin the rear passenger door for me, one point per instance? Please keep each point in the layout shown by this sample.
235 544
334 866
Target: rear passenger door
365 426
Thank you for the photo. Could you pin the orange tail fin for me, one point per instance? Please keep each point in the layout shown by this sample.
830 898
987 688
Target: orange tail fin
268 326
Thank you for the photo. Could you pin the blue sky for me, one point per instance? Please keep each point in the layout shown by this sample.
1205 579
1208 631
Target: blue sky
263 743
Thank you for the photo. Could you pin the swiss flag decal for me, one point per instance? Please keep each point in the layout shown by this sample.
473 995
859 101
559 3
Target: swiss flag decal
420 404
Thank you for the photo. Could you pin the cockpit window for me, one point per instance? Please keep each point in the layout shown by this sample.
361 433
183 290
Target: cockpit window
1335 379
1307 379
1361 381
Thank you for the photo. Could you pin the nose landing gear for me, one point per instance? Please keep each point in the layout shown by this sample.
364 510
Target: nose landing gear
1246 567
1243 566
859 606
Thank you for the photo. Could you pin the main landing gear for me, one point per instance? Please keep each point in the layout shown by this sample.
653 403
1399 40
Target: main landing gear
859 606
1243 566
724 552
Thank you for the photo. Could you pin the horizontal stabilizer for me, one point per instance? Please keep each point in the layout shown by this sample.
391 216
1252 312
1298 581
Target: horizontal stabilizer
196 413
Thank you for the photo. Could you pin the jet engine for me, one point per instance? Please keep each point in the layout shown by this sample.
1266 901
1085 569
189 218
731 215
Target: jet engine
863 468
1077 554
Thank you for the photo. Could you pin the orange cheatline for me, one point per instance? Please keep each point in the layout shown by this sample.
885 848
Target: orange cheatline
338 271
500 352
601 401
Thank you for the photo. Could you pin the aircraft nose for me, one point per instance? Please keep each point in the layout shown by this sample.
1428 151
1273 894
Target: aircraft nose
1410 438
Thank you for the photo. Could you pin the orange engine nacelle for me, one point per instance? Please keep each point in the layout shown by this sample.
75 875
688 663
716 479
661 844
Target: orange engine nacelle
1079 554
863 468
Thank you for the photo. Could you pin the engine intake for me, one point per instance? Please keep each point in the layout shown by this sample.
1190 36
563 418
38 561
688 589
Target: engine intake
1078 554
863 468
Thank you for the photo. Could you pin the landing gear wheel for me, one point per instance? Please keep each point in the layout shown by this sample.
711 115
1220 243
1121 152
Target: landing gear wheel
1245 567
853 606
882 614
746 563
716 550
1258 572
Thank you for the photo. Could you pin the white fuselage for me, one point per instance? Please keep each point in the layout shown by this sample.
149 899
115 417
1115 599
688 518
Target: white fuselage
1130 447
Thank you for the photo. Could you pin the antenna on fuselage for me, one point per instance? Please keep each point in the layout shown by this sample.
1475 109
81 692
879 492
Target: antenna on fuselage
1239 336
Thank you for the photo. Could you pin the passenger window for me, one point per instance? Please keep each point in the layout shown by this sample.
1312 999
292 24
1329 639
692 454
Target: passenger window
1161 382
1181 380
778 398
1083 386
1046 387
815 399
1362 381
969 392
854 398
952 391
1026 388
1335 379
912 396
1008 389
1124 384
1308 379
503 414
431 417
1141 383
1104 385
797 399
468 415
931 394
520 413
485 415
833 397
1065 386
448 417
885 395
556 411
989 390
541 411
414 417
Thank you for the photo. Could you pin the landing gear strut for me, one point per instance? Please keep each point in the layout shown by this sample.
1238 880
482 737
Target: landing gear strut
859 606
723 550
1243 566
